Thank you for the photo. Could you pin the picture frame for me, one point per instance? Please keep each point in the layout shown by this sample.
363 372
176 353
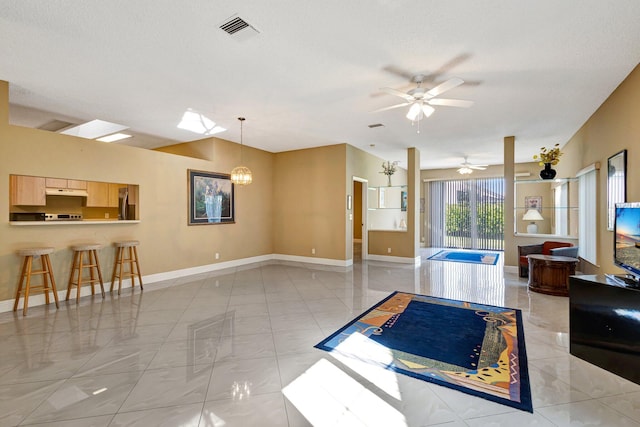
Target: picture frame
210 198
403 201
533 202
616 184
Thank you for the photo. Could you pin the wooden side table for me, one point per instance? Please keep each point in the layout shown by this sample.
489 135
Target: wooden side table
550 274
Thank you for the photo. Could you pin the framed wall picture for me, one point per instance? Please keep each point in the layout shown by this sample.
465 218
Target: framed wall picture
403 201
211 198
533 202
616 184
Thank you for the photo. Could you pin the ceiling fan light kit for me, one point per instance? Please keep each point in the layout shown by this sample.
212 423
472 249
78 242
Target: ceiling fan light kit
468 168
421 100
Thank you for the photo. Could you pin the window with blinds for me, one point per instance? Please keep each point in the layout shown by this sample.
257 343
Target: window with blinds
588 183
466 213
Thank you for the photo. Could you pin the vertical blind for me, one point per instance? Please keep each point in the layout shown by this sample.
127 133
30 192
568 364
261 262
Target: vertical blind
587 204
466 213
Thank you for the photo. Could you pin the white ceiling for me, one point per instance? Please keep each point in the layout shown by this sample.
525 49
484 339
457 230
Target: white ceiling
535 69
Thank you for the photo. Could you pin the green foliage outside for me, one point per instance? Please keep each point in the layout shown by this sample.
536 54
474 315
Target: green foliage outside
489 220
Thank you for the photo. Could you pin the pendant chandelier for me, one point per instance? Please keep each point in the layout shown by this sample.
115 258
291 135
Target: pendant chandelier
241 175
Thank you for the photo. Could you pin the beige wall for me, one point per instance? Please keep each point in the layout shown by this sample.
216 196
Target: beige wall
613 127
310 202
167 243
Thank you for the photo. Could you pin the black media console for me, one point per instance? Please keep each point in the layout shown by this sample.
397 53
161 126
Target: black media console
604 319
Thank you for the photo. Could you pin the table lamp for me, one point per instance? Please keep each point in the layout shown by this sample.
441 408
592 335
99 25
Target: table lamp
532 215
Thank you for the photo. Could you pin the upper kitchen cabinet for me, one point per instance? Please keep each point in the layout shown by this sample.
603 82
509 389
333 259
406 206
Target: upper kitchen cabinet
27 190
70 184
103 194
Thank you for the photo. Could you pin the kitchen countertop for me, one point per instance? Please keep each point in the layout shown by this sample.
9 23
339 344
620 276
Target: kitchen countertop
83 222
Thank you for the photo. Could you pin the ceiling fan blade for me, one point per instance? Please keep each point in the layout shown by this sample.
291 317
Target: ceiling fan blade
391 107
392 91
451 102
478 167
398 71
443 87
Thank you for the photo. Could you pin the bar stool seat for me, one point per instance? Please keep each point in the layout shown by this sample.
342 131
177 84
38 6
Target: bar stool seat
79 263
119 272
48 281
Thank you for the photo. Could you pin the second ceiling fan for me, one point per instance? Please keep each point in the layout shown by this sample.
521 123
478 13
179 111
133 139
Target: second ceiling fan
421 100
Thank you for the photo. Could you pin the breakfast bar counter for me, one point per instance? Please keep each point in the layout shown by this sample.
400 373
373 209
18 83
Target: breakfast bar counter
83 222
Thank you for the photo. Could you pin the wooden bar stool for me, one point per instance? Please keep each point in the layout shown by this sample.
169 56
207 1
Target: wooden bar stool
79 263
48 282
132 259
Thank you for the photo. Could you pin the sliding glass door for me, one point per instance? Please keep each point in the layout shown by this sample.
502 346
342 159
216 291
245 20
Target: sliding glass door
466 213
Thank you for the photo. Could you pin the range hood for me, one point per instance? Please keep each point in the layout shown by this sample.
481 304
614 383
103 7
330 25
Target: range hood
65 192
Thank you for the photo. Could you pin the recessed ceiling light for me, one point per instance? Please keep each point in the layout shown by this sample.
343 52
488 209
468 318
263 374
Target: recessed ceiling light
114 137
198 123
94 129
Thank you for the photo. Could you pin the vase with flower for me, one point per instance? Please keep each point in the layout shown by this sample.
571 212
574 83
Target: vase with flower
388 169
548 157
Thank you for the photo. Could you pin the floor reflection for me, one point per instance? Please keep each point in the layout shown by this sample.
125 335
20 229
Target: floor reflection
235 347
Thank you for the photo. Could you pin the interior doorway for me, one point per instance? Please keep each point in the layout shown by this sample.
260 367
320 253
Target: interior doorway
359 219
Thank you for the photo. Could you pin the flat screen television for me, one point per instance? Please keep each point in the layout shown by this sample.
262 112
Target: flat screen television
626 248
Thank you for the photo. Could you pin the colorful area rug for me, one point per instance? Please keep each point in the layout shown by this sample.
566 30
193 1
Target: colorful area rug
474 348
489 258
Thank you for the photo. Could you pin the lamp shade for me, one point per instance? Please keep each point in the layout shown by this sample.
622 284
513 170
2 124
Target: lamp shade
532 215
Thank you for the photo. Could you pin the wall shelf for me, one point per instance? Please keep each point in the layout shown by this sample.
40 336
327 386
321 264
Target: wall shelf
387 208
557 202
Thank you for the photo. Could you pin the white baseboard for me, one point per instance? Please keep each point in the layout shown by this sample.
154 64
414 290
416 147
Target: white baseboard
402 260
39 299
313 260
511 269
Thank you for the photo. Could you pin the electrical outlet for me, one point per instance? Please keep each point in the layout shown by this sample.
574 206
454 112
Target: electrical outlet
217 255
106 215
313 251
388 250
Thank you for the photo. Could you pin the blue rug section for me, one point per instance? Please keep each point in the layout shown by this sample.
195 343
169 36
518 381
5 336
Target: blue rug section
473 348
409 333
487 258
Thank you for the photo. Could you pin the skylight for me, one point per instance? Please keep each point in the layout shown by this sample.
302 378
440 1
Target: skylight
114 137
198 123
94 129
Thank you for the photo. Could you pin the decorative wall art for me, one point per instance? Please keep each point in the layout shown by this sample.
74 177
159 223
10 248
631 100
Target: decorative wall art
533 202
616 184
211 198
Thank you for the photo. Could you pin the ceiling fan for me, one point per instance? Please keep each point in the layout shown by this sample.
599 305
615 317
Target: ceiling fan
467 168
421 100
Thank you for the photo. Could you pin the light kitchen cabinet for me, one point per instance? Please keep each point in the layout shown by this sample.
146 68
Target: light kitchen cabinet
71 184
97 194
27 190
113 194
102 194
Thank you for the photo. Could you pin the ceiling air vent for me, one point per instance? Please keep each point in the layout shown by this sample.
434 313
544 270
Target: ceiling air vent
238 28
375 125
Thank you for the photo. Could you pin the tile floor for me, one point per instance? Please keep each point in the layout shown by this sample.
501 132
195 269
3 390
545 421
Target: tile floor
235 348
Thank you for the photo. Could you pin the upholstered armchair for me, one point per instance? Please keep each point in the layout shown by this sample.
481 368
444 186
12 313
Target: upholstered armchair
546 248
